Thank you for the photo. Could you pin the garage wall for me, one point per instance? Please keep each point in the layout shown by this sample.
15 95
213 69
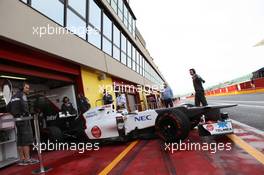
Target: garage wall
92 84
56 95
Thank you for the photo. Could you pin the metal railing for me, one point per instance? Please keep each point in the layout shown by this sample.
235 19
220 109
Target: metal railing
41 169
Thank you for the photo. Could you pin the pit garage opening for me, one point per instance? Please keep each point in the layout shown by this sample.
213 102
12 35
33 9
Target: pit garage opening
45 101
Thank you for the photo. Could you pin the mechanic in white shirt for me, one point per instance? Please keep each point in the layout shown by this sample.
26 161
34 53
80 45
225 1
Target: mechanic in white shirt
121 102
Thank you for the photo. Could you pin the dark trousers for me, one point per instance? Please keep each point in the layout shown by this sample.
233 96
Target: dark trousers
168 103
200 98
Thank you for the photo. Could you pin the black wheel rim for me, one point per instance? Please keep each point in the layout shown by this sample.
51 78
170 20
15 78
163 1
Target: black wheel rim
168 129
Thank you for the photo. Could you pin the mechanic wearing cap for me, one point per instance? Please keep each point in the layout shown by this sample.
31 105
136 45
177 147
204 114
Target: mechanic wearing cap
167 96
198 87
19 108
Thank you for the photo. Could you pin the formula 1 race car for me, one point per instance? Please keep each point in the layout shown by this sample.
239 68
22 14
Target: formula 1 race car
106 124
171 124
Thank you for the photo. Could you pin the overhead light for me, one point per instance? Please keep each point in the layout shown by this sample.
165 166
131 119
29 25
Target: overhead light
11 77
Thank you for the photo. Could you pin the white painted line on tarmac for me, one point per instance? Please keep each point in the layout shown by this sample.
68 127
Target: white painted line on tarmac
239 105
250 128
249 136
227 101
251 106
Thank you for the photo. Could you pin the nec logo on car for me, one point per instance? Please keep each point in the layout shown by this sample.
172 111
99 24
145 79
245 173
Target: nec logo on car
142 118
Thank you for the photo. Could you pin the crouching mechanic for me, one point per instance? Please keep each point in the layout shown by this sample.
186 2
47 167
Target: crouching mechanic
19 108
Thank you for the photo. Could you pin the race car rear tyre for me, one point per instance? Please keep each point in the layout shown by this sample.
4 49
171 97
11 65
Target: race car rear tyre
173 126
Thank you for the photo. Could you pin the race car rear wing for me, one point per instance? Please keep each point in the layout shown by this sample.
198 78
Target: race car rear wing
211 111
211 107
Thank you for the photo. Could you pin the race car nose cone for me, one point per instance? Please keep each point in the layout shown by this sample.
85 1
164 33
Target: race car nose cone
96 132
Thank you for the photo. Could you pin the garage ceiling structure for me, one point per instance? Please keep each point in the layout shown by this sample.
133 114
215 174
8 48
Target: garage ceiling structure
16 59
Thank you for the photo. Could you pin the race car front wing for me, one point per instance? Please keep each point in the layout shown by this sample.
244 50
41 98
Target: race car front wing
216 128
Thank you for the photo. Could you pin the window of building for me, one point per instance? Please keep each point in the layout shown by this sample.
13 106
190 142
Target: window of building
107 35
129 55
123 43
129 49
114 5
116 53
107 27
125 13
107 46
123 58
53 9
94 33
94 37
137 62
150 73
130 29
116 36
120 9
76 24
131 21
123 49
134 28
79 6
143 67
94 15
128 18
129 62
116 41
133 58
126 22
131 24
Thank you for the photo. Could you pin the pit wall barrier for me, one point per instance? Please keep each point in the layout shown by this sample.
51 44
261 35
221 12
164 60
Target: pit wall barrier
248 87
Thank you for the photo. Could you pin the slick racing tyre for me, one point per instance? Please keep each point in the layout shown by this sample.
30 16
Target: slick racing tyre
173 126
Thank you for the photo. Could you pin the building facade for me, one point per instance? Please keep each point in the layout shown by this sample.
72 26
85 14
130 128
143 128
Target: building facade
92 44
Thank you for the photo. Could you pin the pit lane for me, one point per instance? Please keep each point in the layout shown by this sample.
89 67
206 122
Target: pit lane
149 157
250 109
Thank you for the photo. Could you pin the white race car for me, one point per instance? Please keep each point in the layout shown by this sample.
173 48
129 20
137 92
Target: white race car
105 123
170 124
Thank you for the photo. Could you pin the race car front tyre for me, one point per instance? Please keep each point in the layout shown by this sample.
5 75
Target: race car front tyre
173 126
